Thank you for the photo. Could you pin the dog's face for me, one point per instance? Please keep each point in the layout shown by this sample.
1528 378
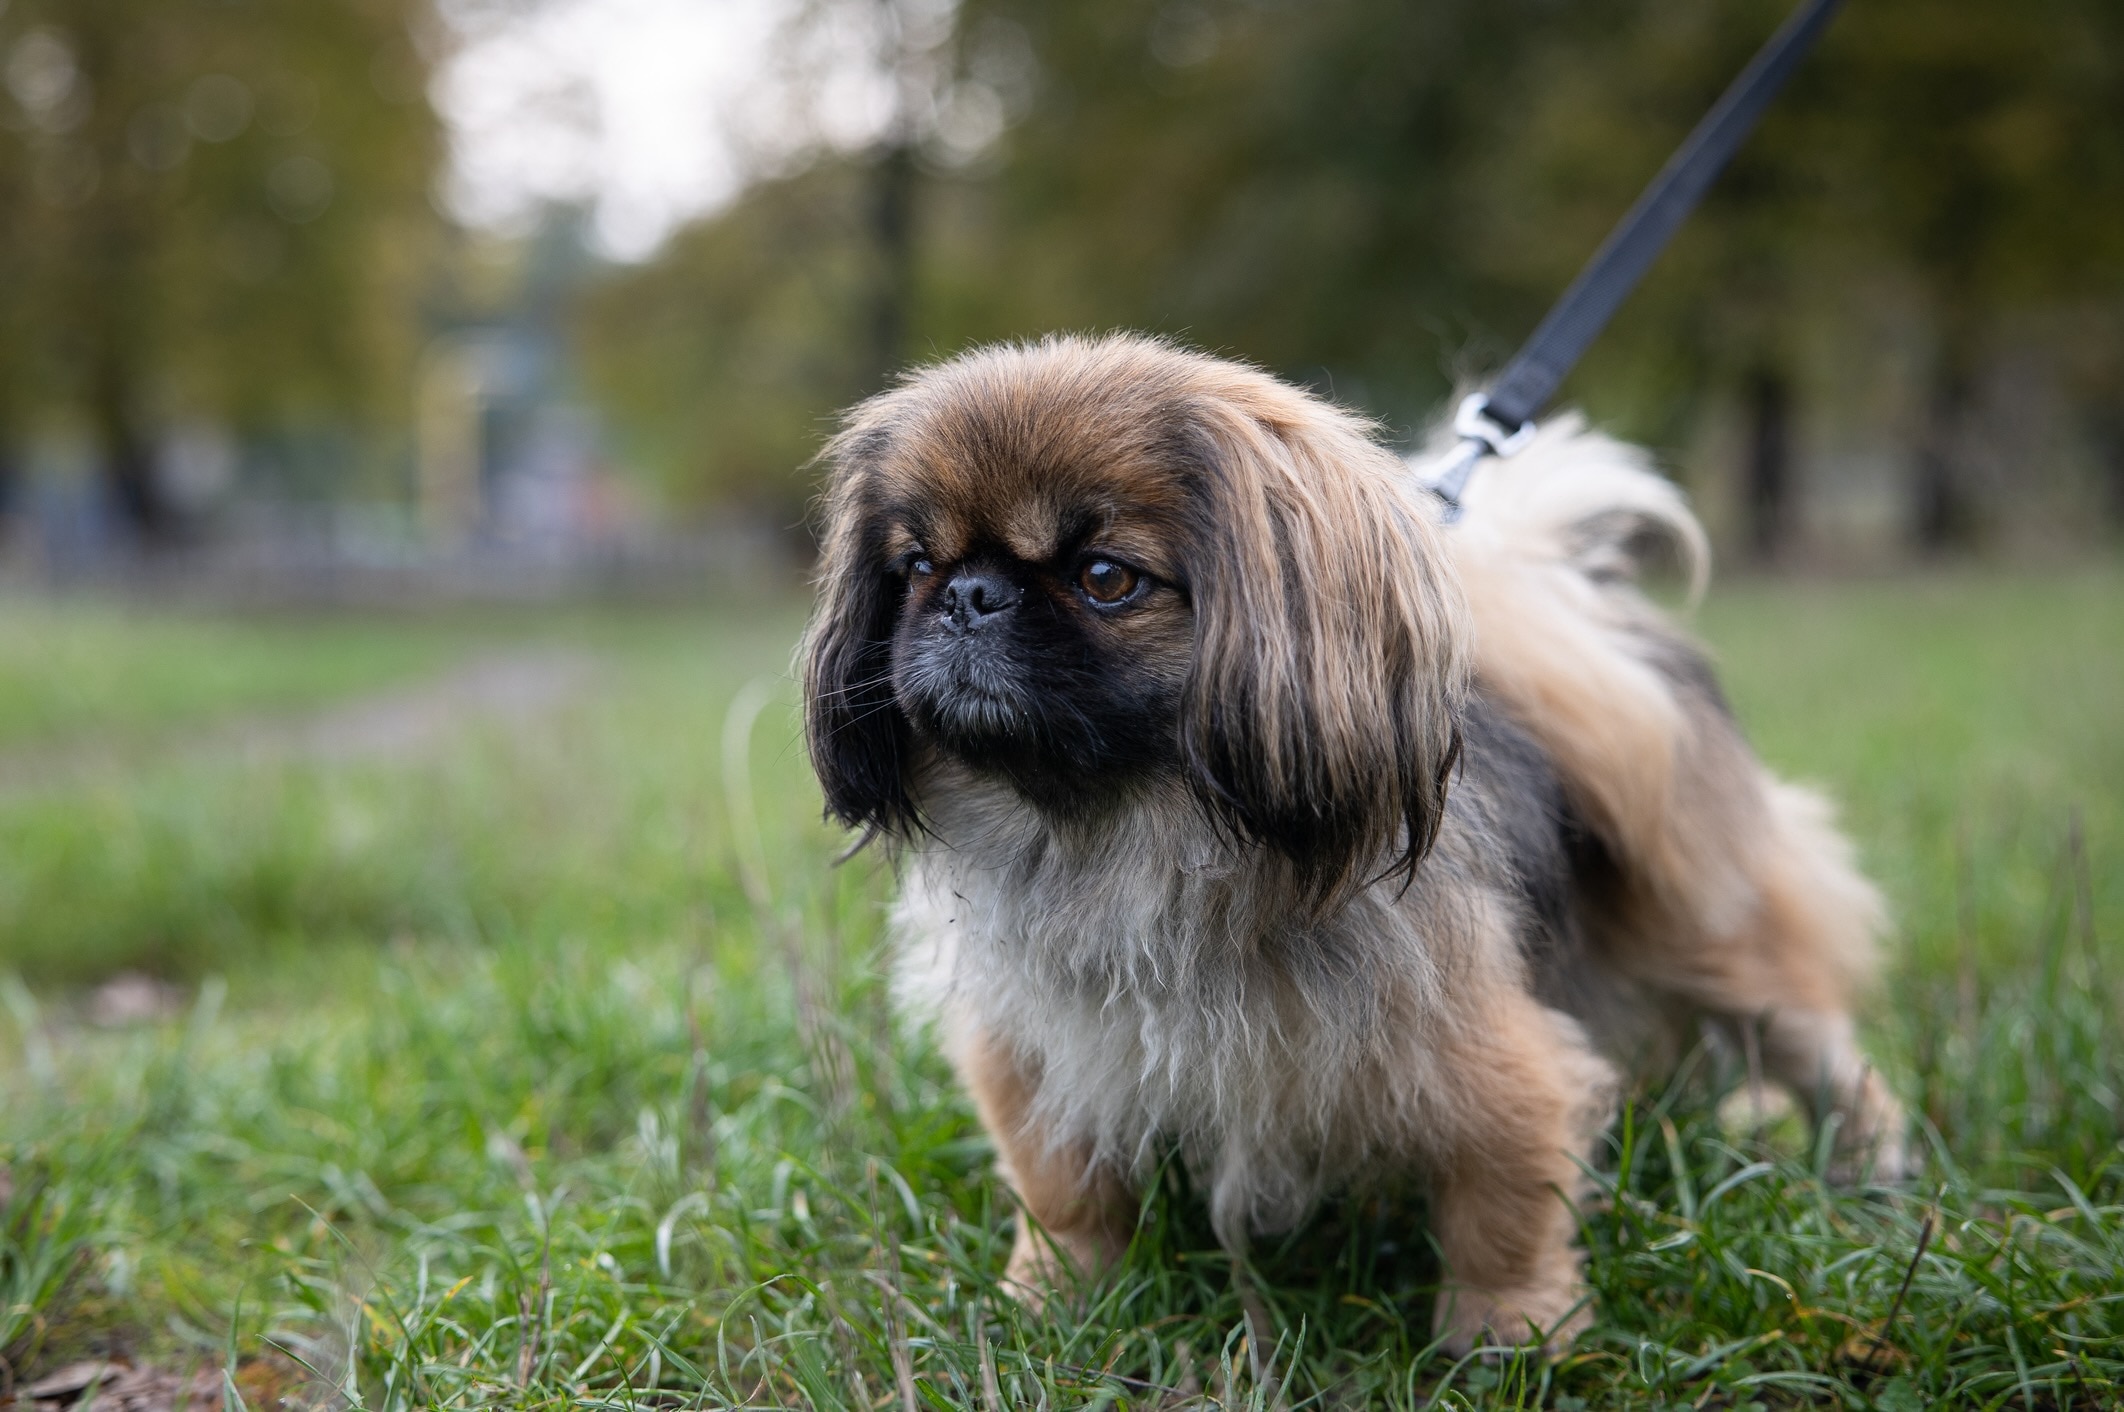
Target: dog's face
1043 638
1080 567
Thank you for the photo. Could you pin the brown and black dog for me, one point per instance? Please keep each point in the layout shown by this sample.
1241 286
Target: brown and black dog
1249 810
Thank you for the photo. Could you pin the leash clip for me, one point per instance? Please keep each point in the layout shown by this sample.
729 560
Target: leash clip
1472 422
1480 435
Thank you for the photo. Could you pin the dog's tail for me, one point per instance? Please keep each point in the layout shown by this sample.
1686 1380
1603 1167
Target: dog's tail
1581 498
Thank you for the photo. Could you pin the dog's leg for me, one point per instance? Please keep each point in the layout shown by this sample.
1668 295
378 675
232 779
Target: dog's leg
1789 978
1816 1055
1517 1103
1780 1007
1077 1214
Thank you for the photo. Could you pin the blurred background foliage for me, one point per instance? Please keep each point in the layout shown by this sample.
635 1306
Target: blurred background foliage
210 212
1918 264
1896 326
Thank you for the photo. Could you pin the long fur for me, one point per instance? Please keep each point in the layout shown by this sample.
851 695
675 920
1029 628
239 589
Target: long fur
1360 852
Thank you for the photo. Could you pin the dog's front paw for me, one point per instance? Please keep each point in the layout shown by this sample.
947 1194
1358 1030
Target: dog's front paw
1034 1270
1045 1263
1471 1318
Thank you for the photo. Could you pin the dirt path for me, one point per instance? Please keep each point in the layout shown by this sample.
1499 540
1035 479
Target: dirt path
398 723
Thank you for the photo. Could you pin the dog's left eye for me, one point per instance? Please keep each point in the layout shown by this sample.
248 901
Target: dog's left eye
1105 581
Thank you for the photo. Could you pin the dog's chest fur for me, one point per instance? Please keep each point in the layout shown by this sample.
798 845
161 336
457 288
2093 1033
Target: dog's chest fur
1166 997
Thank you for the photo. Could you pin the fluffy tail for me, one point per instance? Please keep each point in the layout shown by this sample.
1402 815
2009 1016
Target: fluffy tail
1581 498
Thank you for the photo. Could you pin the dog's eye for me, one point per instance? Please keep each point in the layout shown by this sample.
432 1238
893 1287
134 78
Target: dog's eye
920 568
1105 581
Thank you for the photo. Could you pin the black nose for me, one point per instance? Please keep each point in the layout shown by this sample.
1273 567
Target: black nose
974 594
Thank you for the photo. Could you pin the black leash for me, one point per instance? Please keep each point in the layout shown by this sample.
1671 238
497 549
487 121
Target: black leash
1501 421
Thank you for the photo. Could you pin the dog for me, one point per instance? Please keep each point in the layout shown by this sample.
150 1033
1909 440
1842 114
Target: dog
1245 809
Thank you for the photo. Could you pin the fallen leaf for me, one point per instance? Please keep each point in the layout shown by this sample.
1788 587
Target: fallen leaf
1867 1349
71 1379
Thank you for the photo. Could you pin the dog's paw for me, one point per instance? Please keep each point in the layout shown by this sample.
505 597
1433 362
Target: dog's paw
1044 1265
1471 1318
1034 1272
1873 1140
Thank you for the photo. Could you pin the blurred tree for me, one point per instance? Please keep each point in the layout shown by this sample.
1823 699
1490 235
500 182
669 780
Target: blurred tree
225 209
1217 171
17 371
1274 179
1984 158
1944 158
1380 198
723 362
905 60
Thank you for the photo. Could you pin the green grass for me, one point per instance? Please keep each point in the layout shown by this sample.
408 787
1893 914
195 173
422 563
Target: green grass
554 1069
105 672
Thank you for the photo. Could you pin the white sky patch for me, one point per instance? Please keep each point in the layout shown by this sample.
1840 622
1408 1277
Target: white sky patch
651 112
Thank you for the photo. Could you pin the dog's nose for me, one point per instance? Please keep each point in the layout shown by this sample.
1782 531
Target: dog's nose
974 594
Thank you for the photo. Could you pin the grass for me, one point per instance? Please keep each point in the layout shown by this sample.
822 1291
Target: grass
73 671
554 1068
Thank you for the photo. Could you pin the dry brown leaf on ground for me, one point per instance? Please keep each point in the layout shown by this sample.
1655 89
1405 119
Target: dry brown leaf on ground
105 1385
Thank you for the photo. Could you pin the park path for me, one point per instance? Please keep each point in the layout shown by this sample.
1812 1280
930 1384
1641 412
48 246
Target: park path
404 722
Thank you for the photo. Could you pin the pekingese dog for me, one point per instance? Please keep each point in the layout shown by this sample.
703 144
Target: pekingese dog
1249 810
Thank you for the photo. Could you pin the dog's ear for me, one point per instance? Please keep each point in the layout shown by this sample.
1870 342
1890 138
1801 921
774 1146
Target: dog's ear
857 736
1320 718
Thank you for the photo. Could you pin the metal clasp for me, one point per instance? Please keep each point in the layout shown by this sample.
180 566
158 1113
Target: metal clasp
1480 435
1472 420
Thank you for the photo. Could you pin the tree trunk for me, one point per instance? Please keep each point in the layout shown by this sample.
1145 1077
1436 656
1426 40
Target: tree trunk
1769 482
892 239
115 289
1943 509
2108 433
128 455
